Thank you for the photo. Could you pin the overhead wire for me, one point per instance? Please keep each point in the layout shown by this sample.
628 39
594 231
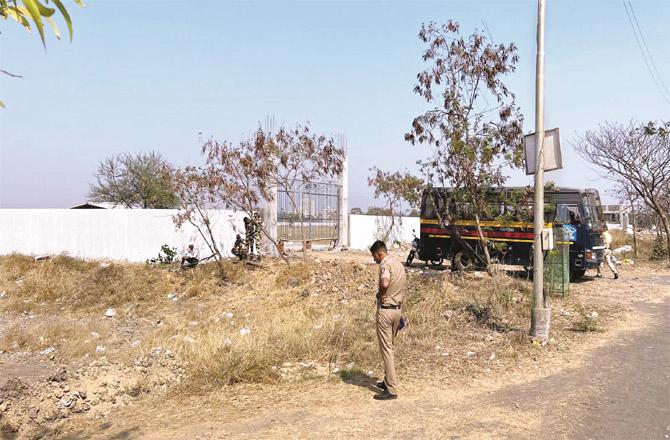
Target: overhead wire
651 57
645 55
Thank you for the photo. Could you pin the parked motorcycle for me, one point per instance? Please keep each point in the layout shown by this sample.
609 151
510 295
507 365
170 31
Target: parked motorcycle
416 244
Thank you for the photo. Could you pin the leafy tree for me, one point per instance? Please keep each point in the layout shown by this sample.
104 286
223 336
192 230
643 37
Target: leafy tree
191 185
31 14
637 157
135 181
243 176
395 188
474 125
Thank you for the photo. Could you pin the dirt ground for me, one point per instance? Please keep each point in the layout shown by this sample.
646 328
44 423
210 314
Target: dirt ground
604 384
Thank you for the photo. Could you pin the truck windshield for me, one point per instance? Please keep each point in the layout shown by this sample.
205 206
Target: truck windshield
593 211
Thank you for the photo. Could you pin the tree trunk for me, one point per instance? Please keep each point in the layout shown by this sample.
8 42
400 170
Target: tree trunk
484 243
632 210
666 226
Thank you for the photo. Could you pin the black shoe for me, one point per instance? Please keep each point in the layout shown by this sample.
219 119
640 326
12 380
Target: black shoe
381 385
385 395
616 276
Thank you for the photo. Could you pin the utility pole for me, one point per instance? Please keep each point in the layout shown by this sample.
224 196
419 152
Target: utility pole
541 313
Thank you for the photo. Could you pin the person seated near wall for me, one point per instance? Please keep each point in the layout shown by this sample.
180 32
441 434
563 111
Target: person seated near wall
239 248
190 257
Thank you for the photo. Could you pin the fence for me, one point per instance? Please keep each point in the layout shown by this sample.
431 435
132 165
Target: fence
319 206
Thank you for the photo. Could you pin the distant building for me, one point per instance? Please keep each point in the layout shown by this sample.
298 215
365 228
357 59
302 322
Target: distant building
98 205
618 217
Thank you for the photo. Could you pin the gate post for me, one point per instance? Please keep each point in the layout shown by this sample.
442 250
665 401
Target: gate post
270 221
343 202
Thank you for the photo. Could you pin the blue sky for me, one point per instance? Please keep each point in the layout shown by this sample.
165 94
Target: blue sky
151 75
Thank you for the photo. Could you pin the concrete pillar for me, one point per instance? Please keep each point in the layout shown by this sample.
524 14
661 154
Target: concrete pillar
270 222
343 226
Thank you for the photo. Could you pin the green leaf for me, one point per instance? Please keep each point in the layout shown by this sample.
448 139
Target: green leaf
18 14
44 11
65 14
53 26
34 12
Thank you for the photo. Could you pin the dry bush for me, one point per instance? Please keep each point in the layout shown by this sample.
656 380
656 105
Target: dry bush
70 338
327 315
76 284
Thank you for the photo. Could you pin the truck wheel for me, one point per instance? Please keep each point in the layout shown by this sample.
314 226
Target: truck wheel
576 274
463 261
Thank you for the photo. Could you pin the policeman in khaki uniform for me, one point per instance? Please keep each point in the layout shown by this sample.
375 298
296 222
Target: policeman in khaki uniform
607 240
390 295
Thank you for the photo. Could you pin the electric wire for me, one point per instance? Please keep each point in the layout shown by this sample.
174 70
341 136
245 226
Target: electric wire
644 54
644 42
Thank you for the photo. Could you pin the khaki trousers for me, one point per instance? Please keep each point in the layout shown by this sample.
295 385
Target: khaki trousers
388 321
608 261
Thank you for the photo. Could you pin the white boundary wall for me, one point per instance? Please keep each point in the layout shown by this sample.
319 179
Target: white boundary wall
115 234
137 234
365 229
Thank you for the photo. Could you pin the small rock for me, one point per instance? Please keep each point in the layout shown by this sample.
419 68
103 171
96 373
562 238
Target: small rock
448 314
470 354
593 315
244 331
110 313
82 394
293 282
227 342
370 373
95 335
33 413
135 343
100 348
172 296
189 339
58 393
305 293
104 264
4 406
3 294
228 315
493 356
47 351
446 353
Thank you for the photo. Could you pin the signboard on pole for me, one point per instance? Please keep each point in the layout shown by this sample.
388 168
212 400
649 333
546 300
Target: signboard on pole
552 151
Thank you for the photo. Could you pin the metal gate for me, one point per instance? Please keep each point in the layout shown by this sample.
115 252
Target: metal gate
319 204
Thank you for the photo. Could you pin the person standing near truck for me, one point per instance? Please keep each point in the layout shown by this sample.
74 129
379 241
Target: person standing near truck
607 241
390 296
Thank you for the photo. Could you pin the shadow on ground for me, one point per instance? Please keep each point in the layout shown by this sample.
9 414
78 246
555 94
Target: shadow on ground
359 378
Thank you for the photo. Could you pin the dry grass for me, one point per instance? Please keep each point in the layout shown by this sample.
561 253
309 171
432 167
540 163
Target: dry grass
321 312
71 339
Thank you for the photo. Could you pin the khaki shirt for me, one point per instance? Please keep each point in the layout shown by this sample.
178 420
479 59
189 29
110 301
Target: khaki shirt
607 239
394 271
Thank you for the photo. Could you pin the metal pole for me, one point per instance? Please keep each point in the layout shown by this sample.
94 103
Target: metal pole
541 313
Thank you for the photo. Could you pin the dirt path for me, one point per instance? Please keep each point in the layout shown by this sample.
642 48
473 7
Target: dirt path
615 386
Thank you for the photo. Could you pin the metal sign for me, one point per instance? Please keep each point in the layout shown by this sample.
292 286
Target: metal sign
552 151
